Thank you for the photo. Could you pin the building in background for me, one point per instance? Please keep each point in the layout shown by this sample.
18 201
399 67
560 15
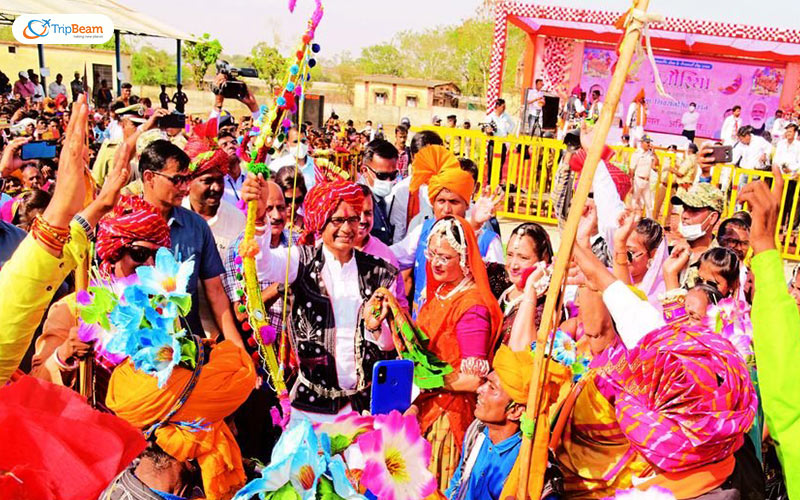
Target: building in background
384 90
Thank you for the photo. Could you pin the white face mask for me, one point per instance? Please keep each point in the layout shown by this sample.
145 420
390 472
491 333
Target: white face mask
300 151
692 232
381 189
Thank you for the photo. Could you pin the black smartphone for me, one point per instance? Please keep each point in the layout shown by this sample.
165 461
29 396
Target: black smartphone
36 150
172 120
721 154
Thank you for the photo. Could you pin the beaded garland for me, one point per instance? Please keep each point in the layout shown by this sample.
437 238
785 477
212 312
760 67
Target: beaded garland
273 125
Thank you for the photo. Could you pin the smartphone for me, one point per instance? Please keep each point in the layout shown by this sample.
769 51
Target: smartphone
391 386
721 154
36 150
172 120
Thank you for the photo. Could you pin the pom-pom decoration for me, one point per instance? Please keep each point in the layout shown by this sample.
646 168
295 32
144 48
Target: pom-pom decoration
271 123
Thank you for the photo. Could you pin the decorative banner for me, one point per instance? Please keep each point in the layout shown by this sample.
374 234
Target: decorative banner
714 85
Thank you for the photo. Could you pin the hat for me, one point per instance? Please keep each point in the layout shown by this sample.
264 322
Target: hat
647 138
134 112
466 120
700 196
515 370
226 120
405 121
23 74
436 119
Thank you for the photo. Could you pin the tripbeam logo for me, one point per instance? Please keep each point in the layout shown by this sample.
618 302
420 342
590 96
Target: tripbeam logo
62 28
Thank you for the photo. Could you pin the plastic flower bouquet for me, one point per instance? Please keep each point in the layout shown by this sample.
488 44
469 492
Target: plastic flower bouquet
139 317
565 352
355 457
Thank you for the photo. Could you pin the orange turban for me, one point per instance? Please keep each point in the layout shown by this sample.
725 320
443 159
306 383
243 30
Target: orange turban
515 369
224 384
640 96
437 167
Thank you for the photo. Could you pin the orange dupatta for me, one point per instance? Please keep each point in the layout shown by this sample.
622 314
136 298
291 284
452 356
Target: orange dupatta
438 319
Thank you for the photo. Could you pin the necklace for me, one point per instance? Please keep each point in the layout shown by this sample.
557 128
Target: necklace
509 305
464 284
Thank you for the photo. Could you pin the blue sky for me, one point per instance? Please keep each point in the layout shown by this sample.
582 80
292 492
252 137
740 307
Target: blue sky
353 24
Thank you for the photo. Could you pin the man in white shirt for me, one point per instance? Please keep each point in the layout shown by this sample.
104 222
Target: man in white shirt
535 101
753 151
787 152
636 119
294 153
731 126
689 121
643 164
38 94
503 125
778 126
55 88
593 114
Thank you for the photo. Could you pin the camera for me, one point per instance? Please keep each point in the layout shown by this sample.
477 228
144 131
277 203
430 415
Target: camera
488 128
172 120
233 88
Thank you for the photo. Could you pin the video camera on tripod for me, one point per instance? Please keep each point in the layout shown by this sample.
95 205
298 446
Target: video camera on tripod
233 88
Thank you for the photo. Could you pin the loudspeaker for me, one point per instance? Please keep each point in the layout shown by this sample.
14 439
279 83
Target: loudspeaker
313 109
550 112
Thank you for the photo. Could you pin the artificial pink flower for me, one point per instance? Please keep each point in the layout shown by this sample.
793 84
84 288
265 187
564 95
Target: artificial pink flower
397 459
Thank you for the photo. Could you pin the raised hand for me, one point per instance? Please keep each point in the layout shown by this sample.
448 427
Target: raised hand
10 160
486 206
70 190
675 263
254 188
587 226
627 221
764 204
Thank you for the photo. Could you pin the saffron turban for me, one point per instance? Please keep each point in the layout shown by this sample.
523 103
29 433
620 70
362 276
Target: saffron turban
223 384
515 369
437 167
322 201
132 219
639 96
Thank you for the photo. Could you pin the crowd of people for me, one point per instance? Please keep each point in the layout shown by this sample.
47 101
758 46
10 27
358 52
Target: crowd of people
675 349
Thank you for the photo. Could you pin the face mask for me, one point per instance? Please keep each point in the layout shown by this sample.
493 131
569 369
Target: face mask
691 108
299 152
692 232
381 189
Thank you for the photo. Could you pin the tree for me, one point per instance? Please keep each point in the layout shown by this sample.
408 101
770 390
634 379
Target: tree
150 66
200 55
269 63
383 59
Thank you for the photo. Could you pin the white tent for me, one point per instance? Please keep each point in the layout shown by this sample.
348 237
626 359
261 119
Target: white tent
126 20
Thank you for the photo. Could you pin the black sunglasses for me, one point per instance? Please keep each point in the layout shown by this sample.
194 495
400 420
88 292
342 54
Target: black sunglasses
178 179
384 176
140 254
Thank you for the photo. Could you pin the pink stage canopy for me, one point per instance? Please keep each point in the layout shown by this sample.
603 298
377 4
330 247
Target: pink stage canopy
694 37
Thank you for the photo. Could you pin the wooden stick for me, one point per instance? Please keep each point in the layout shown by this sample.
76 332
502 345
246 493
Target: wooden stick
86 365
629 43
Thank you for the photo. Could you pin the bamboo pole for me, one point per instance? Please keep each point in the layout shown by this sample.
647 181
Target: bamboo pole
629 43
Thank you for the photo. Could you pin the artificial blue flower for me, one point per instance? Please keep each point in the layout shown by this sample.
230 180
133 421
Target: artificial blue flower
127 317
296 460
163 318
564 350
168 278
159 354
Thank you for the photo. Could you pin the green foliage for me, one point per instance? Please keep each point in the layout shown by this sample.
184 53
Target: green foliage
151 66
200 55
458 53
383 59
269 63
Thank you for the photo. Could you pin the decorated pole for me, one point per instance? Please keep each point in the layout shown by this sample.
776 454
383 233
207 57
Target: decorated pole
631 37
273 126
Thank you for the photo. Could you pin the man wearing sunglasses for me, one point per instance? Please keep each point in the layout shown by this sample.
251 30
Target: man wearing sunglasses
380 174
166 177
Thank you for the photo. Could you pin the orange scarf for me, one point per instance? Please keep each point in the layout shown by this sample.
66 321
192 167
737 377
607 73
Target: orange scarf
225 383
438 319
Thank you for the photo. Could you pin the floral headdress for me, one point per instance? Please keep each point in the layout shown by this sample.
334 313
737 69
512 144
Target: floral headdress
139 317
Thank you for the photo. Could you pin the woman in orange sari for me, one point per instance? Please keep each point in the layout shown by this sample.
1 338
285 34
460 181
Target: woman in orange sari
462 319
